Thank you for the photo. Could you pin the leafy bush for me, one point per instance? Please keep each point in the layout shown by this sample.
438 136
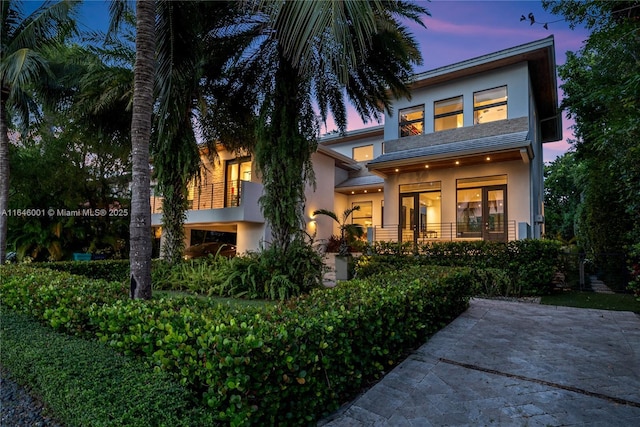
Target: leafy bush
110 270
288 364
530 264
59 298
88 384
285 364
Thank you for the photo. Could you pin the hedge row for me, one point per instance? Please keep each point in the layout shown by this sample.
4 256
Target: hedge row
110 270
529 264
85 383
286 364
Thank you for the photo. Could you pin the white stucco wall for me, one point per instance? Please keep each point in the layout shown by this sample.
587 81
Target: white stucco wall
322 197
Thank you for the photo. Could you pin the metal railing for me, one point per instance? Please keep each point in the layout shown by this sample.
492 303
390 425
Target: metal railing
444 231
217 195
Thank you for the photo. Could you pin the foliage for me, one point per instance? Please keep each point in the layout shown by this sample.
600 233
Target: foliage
348 231
634 270
529 265
61 299
109 270
273 275
602 95
286 364
561 197
86 383
303 52
24 74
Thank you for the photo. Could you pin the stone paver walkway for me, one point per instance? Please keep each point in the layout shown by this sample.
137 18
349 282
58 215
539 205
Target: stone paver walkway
513 364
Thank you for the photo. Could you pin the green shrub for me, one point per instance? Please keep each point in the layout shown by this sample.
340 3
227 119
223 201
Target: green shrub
530 264
288 364
109 270
284 364
57 297
88 384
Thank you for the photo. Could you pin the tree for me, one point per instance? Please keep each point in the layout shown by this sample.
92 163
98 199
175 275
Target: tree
602 95
347 230
561 197
140 225
23 70
194 44
315 51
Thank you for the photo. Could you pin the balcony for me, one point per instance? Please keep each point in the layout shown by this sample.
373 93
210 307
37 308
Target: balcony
221 202
446 231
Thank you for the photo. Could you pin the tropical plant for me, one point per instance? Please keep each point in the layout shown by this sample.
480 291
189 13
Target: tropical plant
185 65
348 231
23 74
602 94
140 225
305 52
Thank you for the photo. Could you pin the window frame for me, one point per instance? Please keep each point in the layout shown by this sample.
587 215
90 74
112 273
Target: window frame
459 112
404 123
477 108
353 153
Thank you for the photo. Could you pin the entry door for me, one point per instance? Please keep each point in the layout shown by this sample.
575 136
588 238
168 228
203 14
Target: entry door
413 217
494 213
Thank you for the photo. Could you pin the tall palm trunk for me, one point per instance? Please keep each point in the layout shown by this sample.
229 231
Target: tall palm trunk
4 177
140 227
174 208
283 141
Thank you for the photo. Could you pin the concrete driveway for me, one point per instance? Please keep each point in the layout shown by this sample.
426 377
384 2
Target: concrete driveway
513 364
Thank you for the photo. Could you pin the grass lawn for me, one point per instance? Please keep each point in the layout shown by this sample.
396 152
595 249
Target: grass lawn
617 302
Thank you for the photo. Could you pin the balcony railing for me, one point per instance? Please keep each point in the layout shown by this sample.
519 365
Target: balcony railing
217 195
435 232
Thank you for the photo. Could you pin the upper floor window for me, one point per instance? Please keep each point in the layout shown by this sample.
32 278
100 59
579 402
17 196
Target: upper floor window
448 114
363 153
490 105
412 121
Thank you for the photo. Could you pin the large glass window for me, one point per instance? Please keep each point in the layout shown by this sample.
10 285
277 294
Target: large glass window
448 114
363 153
364 216
412 121
490 105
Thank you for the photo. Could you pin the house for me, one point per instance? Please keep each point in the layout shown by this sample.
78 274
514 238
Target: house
460 160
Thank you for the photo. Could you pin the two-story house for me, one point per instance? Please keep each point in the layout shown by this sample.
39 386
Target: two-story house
461 159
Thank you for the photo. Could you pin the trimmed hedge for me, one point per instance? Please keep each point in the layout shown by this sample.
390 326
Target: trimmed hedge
286 364
529 264
88 384
109 270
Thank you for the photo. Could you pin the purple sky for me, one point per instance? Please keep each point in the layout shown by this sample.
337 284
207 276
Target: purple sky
456 30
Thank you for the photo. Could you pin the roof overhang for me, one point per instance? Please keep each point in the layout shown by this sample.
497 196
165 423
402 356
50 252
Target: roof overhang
499 148
361 184
342 161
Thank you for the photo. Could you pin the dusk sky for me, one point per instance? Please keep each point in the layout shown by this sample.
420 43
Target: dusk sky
456 30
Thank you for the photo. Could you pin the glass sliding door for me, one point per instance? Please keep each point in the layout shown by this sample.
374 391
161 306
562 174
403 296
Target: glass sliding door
482 208
420 216
494 213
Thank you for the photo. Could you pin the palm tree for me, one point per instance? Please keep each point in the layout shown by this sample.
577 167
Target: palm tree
316 51
22 69
187 64
347 231
140 225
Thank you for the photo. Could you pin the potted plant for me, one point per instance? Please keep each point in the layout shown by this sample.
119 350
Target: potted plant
348 232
